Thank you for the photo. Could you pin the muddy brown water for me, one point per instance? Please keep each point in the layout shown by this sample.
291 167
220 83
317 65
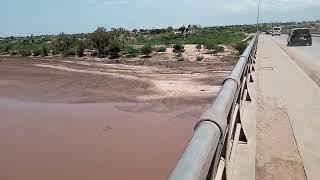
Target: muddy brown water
92 141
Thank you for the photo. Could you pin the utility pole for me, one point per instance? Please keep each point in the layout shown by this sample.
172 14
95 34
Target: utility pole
258 16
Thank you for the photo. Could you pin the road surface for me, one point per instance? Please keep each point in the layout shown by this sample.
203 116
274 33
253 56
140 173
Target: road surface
307 57
288 110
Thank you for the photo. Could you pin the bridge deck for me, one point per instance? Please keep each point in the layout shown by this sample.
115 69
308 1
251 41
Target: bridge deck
288 117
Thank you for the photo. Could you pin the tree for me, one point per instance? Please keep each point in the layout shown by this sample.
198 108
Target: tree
80 48
182 29
62 42
142 30
169 29
101 40
31 39
44 51
115 48
146 50
8 47
188 29
135 30
196 27
121 35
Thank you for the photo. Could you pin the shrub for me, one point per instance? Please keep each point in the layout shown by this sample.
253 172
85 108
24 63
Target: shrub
217 50
100 39
132 52
199 58
178 48
62 42
25 53
13 53
114 49
180 58
68 53
146 50
101 55
241 47
36 52
8 47
44 51
80 48
199 47
214 48
161 49
94 54
53 52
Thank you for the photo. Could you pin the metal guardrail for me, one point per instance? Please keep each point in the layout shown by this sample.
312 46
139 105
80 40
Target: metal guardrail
211 151
316 34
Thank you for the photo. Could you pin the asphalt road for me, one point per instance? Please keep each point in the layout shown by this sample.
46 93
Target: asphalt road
307 57
288 110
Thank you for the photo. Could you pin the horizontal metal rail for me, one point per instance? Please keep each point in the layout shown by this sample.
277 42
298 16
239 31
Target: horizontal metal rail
219 129
315 34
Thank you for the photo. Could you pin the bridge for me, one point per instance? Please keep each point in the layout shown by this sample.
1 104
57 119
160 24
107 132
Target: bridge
265 121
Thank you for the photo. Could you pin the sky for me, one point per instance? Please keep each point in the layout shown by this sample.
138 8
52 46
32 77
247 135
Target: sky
26 17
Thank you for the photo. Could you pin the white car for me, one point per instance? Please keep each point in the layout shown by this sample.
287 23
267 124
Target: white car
276 31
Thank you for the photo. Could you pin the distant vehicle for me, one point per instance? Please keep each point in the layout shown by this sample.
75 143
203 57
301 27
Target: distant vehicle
299 36
276 31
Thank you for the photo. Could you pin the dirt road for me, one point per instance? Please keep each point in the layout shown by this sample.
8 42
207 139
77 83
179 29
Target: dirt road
80 119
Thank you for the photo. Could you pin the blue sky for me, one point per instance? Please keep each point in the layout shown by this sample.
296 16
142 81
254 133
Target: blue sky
25 17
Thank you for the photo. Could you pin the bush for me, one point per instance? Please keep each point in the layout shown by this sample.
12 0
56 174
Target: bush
36 52
13 53
199 58
62 42
114 49
25 53
178 48
53 52
132 52
217 50
44 51
94 54
80 49
8 47
101 55
180 58
214 48
68 53
199 47
241 47
146 50
161 49
101 40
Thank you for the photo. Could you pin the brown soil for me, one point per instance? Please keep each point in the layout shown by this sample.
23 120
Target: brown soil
85 81
87 119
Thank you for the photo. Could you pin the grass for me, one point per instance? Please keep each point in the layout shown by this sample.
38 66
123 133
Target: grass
211 38
208 38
